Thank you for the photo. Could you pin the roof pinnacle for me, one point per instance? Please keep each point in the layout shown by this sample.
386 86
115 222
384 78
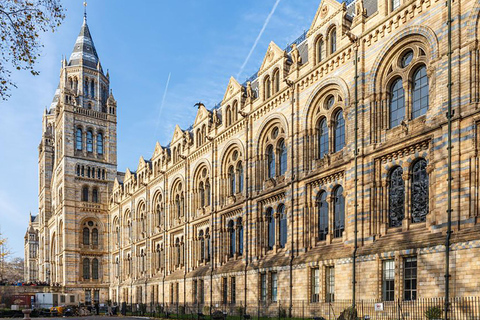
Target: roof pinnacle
85 11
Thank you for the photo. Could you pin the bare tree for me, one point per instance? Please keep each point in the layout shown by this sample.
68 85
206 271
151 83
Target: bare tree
14 269
5 254
21 22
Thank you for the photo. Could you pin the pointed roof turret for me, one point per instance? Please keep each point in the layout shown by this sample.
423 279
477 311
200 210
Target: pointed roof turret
84 52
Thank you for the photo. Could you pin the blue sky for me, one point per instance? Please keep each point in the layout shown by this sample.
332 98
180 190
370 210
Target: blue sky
199 43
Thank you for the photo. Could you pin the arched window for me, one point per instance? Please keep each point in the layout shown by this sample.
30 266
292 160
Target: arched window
201 191
276 81
85 193
420 92
231 234
267 85
95 269
204 134
283 225
333 40
282 151
207 191
159 214
199 138
89 141
322 138
235 112
86 269
95 195
240 177
339 213
207 249
177 205
231 178
271 228
322 212
270 161
86 236
95 236
85 88
240 236
142 261
396 196
419 191
92 89
319 50
397 103
339 131
129 230
117 230
99 143
78 170
177 245
78 139
229 116
202 245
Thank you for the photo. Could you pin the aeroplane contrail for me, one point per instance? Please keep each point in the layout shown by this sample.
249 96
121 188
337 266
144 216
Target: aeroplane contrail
258 37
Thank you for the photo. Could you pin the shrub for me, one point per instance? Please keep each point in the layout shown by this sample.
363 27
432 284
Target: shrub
181 310
433 313
349 313
239 310
206 310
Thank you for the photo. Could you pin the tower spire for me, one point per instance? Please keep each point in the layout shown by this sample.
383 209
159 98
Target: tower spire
85 11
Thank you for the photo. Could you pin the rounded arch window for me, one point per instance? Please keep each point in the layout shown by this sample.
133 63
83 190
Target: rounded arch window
282 225
203 188
407 58
396 195
232 169
322 212
282 160
271 161
419 192
339 213
403 77
420 92
322 129
333 40
339 137
397 103
274 158
270 228
319 49
329 102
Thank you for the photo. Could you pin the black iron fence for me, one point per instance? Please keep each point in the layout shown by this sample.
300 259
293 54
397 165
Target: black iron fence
459 309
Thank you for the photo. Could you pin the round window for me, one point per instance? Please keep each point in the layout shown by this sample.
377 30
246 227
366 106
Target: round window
407 58
330 102
90 223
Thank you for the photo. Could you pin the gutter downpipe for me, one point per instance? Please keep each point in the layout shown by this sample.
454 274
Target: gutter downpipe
354 39
354 278
291 84
247 197
449 118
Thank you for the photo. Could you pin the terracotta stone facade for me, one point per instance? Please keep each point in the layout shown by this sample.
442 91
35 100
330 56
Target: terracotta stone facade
256 200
